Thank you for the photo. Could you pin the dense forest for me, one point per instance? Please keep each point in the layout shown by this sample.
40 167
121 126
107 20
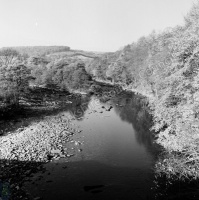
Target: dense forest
162 66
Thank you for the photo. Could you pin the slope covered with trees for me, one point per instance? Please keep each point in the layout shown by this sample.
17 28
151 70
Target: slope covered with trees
165 67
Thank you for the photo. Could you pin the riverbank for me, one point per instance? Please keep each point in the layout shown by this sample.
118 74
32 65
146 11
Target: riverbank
40 141
30 147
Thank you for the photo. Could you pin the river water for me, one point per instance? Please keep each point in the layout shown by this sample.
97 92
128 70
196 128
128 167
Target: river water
113 155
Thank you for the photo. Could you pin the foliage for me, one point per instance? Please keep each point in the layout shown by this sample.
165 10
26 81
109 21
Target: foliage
14 76
63 73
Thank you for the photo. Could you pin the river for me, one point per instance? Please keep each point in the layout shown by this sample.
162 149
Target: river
114 154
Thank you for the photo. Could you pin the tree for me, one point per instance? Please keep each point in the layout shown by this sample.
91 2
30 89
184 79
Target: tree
9 57
14 76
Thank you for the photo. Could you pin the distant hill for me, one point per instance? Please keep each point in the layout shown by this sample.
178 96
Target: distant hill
40 50
77 53
55 51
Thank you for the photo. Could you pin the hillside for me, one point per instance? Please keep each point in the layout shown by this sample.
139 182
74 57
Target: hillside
39 50
164 67
53 51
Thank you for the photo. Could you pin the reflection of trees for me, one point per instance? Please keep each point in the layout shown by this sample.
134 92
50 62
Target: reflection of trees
79 106
132 109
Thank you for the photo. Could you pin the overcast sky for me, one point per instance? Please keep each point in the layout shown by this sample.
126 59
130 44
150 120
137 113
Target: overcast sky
95 25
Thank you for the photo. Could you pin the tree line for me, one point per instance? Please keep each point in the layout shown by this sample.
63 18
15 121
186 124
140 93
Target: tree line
19 72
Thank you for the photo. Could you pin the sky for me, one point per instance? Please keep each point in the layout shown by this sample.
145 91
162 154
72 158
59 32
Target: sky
92 25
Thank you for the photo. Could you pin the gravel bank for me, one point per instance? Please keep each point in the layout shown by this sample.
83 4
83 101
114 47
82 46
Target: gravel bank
39 142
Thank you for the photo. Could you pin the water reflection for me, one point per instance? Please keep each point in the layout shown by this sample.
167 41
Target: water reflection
79 106
134 110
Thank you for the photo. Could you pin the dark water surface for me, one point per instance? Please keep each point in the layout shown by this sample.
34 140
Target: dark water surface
114 154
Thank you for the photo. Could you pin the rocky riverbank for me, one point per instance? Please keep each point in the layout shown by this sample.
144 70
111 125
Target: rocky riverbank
38 142
24 151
